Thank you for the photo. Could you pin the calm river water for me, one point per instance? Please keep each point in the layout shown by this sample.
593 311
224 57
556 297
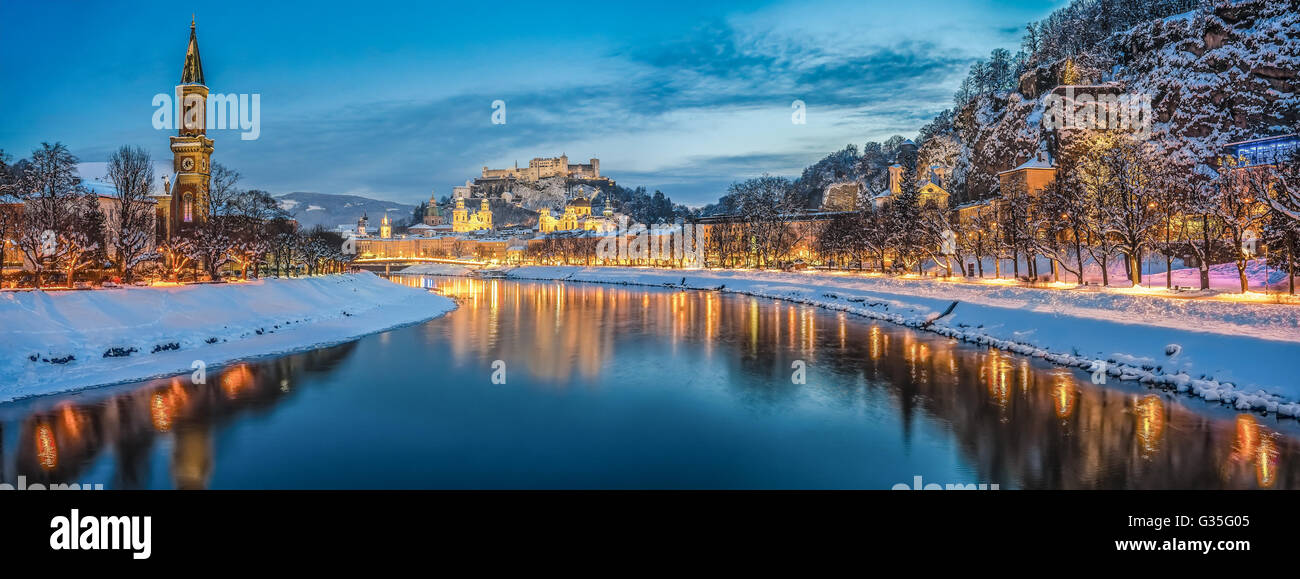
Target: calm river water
623 387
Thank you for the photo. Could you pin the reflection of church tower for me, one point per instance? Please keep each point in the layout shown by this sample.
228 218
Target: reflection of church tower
191 149
192 457
385 228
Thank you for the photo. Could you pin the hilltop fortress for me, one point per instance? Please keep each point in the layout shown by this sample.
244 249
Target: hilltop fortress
543 167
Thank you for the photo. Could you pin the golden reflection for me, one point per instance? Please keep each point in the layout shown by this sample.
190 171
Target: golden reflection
1064 395
47 450
1255 445
1150 423
997 371
1247 439
1266 462
160 412
236 380
71 421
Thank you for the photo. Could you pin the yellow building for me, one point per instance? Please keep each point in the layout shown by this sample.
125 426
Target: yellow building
928 192
1032 176
385 228
577 216
932 193
462 220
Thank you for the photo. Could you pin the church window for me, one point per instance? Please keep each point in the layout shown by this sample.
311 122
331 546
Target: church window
187 211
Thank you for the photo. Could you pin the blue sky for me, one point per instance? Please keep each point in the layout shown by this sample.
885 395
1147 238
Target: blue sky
393 100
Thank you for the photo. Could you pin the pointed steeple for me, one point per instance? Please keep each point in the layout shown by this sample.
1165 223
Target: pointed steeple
193 71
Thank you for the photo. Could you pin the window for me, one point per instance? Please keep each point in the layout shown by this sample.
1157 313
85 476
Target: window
187 209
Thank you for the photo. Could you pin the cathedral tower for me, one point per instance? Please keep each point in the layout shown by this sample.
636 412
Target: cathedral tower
191 148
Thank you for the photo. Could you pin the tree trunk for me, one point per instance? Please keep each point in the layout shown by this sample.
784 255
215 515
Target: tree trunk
1134 269
1290 271
1169 272
1205 262
1078 255
1241 273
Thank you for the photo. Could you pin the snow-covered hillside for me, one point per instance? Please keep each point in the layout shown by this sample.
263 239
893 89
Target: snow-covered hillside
312 209
60 341
1216 75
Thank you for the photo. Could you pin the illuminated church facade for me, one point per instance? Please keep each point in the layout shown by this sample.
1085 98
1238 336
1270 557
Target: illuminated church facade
577 216
464 220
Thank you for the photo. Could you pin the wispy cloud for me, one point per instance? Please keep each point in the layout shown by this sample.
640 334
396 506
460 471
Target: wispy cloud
648 123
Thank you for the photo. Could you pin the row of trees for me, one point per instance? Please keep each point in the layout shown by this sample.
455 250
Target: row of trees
1114 198
59 226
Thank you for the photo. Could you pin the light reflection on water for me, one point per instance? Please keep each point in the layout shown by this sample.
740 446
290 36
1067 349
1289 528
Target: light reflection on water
625 387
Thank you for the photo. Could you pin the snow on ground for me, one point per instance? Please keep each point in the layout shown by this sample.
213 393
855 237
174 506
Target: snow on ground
1237 353
129 334
1223 277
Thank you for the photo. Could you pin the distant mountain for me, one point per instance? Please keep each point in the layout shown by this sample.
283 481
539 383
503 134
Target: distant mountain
312 209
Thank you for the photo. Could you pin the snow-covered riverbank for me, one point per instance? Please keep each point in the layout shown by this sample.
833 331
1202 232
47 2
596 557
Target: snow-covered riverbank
1237 353
62 341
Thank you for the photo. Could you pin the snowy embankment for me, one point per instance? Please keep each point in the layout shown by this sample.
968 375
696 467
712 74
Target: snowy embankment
1242 354
71 340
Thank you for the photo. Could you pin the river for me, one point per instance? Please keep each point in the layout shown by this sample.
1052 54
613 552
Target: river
555 385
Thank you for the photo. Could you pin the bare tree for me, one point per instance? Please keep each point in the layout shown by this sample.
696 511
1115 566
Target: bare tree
978 235
50 184
131 231
1093 175
215 239
11 199
1130 211
769 206
82 237
1015 233
1061 213
1237 205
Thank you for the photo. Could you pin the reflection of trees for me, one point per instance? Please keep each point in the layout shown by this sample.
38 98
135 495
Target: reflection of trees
1045 428
56 445
1017 422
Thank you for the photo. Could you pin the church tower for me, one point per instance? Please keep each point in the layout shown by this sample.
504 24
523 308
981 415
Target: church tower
431 215
459 216
385 228
485 215
191 148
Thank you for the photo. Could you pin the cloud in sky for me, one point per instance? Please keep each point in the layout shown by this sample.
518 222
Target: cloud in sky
686 105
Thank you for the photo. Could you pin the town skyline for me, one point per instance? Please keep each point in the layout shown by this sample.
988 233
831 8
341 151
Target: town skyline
696 100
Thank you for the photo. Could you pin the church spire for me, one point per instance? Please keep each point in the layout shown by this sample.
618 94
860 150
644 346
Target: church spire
193 71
